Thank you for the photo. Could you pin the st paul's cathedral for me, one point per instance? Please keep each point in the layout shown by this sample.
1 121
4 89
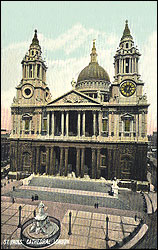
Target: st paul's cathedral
99 128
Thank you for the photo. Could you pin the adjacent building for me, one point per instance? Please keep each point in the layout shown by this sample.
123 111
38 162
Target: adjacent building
99 128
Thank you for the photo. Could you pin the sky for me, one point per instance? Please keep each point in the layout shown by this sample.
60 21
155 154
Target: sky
65 31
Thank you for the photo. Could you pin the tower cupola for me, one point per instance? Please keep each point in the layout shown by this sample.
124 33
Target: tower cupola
126 57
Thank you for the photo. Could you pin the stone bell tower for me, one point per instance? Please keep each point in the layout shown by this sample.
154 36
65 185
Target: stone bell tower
33 89
127 86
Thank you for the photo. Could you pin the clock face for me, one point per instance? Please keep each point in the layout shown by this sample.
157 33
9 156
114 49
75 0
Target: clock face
127 88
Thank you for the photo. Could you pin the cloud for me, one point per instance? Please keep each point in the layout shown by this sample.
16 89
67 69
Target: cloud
75 47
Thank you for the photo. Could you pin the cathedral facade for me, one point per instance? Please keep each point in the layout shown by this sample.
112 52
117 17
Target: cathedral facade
99 128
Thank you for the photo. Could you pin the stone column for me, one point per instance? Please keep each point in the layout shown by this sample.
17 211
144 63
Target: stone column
79 123
140 124
116 125
77 162
109 122
40 123
100 122
66 161
67 124
122 128
93 164
135 65
129 65
124 65
47 160
132 128
62 123
40 72
82 161
94 123
37 159
83 124
36 71
48 118
61 161
120 65
51 168
19 118
52 123
98 163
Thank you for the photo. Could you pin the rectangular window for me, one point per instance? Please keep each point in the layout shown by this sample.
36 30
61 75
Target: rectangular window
105 125
127 125
26 124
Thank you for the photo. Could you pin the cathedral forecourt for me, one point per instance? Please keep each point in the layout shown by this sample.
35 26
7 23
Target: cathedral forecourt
99 128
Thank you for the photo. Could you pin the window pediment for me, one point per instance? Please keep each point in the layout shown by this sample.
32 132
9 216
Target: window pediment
26 117
127 116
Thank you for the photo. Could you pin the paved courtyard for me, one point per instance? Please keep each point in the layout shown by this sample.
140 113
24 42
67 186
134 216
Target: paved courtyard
88 228
88 222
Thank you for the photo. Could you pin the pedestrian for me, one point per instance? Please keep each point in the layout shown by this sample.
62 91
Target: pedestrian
95 205
135 217
13 200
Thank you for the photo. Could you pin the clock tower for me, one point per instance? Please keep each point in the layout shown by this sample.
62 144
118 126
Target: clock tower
127 86
33 89
32 94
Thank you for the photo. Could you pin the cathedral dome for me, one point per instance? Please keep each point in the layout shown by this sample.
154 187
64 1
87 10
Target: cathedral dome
93 72
93 78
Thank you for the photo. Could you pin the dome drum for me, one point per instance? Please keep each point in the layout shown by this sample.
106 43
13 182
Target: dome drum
95 85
